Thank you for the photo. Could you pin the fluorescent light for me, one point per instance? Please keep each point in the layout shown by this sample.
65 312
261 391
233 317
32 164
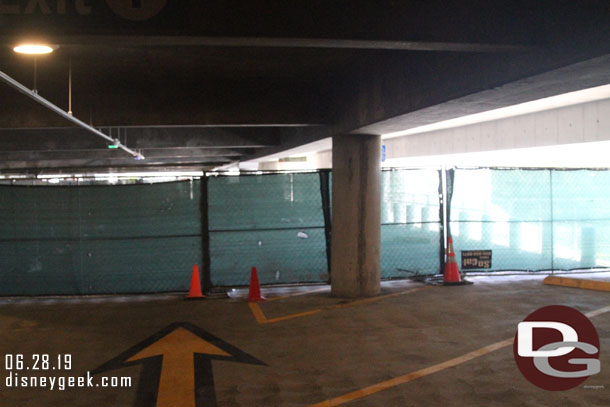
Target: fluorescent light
33 49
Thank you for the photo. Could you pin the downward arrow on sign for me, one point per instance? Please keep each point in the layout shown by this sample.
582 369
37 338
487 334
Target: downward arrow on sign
178 362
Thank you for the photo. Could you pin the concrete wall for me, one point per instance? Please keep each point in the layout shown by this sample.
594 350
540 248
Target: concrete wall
564 126
586 122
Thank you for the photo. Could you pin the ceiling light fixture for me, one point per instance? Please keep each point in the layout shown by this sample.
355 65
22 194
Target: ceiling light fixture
34 49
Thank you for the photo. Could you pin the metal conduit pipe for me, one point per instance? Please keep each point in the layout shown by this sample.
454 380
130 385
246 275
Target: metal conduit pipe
35 96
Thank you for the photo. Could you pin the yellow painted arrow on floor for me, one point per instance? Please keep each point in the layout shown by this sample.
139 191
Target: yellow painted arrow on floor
177 383
177 366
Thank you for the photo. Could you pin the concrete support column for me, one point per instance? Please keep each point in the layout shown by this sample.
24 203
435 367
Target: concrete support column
356 212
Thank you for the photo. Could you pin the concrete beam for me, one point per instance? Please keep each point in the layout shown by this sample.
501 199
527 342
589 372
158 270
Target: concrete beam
112 154
391 97
113 163
506 22
278 42
142 138
573 77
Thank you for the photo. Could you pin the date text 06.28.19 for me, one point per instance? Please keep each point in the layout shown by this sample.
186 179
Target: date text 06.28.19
38 361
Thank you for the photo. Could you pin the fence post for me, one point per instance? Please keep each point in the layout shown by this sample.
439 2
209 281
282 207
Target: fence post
443 214
206 280
325 196
552 222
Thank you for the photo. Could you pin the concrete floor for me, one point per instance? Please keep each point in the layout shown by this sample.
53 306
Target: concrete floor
314 347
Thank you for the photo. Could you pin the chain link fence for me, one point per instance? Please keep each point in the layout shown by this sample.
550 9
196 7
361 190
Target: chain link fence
533 219
273 221
581 219
410 223
99 239
146 238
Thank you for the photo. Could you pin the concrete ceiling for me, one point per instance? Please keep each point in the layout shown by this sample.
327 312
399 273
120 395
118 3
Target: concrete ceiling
197 85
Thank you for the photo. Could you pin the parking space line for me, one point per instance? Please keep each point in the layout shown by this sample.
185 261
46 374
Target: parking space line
597 312
292 316
358 394
257 312
260 317
413 375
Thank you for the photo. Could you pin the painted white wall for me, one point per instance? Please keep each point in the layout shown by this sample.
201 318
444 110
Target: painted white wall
570 130
581 123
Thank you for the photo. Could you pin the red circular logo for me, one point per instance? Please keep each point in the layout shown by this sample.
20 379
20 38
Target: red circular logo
556 348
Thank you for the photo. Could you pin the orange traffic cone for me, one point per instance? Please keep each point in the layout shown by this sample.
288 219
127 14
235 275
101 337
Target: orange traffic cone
452 272
255 290
195 291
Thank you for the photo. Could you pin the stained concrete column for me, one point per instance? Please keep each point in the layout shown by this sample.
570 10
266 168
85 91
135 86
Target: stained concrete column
356 216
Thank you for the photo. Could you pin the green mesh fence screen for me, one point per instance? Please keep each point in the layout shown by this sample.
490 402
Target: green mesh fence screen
533 219
145 238
257 221
99 239
274 222
581 219
410 223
